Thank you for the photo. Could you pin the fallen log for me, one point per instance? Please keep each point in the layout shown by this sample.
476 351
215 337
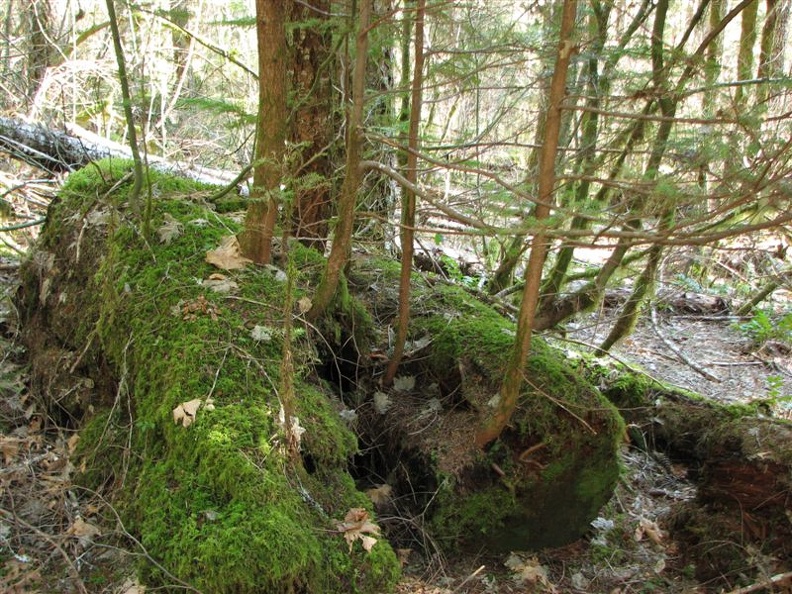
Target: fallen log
72 149
739 458
172 377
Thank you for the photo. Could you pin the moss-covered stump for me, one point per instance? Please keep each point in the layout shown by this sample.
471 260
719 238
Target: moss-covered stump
740 460
541 483
217 499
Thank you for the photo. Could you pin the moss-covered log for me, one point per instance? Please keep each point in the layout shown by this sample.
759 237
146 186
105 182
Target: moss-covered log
123 329
740 459
541 483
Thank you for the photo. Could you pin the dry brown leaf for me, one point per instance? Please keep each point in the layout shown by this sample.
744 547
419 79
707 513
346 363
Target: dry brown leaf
224 286
380 495
186 411
131 586
357 526
228 256
649 529
10 448
304 304
170 229
72 443
83 531
530 571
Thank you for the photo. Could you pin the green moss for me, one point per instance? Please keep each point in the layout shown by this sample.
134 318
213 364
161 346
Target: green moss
473 518
219 504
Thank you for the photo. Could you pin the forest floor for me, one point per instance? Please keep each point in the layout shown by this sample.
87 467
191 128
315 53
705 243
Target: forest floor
55 538
52 538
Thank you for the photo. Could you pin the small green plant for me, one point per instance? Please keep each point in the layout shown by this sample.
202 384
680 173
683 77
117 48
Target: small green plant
763 327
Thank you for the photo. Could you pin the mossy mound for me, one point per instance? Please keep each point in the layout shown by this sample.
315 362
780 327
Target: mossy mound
220 504
542 482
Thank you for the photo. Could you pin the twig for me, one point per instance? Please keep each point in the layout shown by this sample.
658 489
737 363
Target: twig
777 580
470 577
680 355
72 569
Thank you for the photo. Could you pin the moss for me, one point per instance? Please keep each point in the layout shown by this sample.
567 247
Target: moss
547 476
473 518
219 504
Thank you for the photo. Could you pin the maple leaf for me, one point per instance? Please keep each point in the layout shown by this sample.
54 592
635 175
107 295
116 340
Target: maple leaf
186 411
357 526
228 256
170 229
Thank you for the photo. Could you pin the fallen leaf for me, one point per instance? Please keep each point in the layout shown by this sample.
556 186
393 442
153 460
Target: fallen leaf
224 286
83 531
357 526
380 495
649 529
404 383
131 586
381 402
228 256
185 412
304 304
169 230
10 448
261 333
72 443
529 571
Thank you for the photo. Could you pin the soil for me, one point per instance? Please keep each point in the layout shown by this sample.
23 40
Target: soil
56 538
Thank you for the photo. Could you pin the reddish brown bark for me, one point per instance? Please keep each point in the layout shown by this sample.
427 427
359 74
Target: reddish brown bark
512 382
262 213
408 200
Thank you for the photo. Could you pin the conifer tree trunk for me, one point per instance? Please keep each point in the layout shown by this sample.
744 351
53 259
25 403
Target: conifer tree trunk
408 198
262 213
512 383
773 44
745 55
313 121
342 235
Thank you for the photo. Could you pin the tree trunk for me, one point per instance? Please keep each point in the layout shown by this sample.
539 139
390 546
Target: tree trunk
773 44
513 380
262 213
40 50
408 197
313 121
745 55
58 152
134 195
342 236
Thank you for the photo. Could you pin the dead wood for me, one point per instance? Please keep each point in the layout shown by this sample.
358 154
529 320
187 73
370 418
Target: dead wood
739 458
61 151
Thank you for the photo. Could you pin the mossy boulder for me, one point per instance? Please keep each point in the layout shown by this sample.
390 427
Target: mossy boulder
219 502
547 476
